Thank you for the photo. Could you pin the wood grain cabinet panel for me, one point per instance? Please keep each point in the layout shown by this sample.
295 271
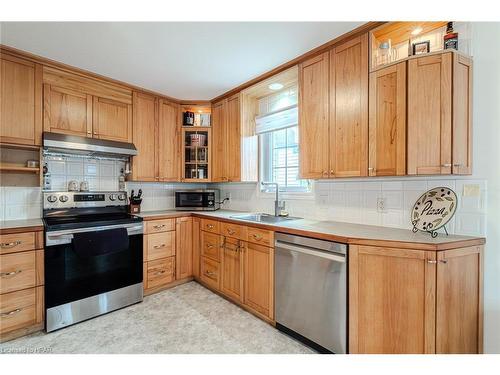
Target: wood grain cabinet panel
169 141
387 121
210 246
196 247
17 271
232 269
16 242
232 152
210 273
349 108
160 272
184 251
112 120
209 225
157 226
234 230
67 111
314 117
18 310
20 101
160 245
430 115
218 141
259 278
144 137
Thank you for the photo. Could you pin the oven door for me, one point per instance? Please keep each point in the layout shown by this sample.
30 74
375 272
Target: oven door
85 262
193 200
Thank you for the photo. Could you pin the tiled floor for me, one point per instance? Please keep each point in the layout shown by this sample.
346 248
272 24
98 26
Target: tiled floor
185 319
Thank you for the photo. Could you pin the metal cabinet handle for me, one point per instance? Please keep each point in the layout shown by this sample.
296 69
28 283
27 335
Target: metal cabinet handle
332 172
210 226
10 245
10 313
443 261
209 246
230 231
257 237
159 226
209 273
160 272
325 173
432 261
7 274
457 165
447 165
159 246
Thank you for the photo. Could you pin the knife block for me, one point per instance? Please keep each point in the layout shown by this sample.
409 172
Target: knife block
134 208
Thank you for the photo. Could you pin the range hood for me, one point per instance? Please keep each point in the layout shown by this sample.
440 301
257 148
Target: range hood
86 146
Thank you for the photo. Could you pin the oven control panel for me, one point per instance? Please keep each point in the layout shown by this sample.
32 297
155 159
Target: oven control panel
67 199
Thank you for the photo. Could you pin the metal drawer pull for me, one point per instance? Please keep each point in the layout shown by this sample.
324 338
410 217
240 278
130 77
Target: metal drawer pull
159 226
447 165
209 246
160 272
210 226
209 273
230 231
10 313
432 261
7 274
159 246
443 261
9 245
257 237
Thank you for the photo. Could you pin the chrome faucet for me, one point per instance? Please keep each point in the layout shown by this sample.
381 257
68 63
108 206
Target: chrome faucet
279 206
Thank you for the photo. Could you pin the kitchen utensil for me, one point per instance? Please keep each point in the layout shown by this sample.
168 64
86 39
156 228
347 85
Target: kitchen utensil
73 185
84 186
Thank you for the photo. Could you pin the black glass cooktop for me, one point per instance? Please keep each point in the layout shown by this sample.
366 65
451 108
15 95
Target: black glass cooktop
53 223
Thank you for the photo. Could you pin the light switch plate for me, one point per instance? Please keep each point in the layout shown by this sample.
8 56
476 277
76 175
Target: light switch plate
471 190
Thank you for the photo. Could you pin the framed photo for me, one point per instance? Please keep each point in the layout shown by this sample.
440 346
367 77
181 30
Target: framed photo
421 47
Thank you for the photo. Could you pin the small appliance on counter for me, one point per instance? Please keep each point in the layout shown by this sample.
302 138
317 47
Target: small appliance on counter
197 200
135 202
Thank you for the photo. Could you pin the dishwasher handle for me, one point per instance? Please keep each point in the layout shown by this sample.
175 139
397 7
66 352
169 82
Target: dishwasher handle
336 257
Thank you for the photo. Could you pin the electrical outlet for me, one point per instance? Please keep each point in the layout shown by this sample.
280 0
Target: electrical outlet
228 196
380 204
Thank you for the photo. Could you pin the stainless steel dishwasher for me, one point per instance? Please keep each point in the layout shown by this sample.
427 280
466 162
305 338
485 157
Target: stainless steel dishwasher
311 291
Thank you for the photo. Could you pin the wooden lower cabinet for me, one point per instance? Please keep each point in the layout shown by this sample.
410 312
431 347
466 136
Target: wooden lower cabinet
414 301
232 269
184 247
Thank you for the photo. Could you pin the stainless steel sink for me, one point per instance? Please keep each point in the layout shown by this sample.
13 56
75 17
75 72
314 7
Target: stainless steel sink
264 218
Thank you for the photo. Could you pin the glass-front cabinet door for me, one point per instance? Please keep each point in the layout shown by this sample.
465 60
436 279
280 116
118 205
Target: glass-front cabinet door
196 154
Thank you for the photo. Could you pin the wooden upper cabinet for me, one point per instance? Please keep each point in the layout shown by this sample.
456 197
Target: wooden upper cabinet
462 115
232 269
314 117
429 114
169 141
184 247
387 121
112 120
233 139
218 141
459 315
67 111
20 101
144 137
259 278
391 300
349 108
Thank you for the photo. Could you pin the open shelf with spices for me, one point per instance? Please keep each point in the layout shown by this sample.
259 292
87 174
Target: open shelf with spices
196 154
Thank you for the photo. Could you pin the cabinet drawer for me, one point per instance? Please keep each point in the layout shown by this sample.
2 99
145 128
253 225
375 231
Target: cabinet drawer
17 271
234 230
17 310
210 225
160 245
11 243
210 246
261 236
157 226
160 272
210 272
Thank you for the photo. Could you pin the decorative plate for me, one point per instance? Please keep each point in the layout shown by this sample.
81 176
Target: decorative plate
434 209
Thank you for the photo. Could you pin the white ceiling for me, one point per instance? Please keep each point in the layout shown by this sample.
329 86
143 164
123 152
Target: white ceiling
182 60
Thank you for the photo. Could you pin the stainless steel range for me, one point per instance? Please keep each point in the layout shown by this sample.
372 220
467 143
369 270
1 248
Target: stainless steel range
93 256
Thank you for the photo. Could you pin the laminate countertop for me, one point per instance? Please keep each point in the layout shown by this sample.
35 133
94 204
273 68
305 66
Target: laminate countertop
17 226
358 234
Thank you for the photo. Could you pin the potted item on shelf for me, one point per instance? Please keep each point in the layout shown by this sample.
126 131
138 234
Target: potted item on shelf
385 53
188 118
451 37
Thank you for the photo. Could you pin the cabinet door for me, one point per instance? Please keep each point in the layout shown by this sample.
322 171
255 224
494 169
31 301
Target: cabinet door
349 108
67 111
169 142
144 137
218 141
462 115
313 117
20 101
429 115
459 321
387 123
232 152
184 247
259 278
232 269
112 120
196 246
391 300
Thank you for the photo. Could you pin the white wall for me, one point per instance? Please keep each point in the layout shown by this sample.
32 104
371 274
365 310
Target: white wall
487 165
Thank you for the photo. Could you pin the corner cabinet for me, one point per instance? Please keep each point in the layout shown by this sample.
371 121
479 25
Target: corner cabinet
184 247
226 125
20 101
333 102
439 114
415 301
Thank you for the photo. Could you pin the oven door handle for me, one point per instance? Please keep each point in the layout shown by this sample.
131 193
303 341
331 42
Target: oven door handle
66 236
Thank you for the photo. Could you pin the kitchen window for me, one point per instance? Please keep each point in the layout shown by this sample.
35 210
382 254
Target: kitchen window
277 126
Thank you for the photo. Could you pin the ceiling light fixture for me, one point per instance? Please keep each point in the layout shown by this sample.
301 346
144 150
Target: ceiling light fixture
275 86
416 31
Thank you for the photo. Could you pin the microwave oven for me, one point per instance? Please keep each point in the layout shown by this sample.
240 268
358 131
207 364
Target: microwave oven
197 200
